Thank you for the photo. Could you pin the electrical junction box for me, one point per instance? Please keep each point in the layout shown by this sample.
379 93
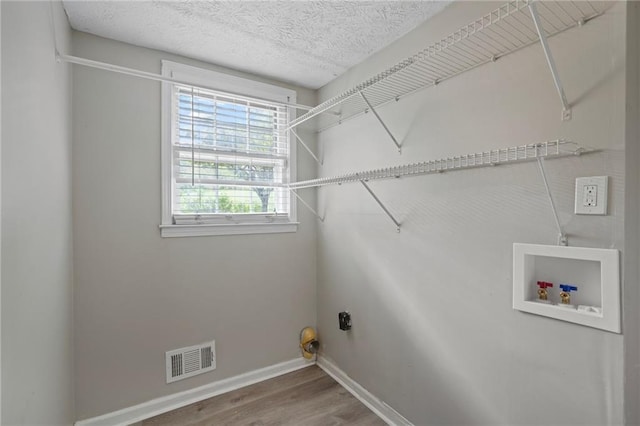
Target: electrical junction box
344 321
591 195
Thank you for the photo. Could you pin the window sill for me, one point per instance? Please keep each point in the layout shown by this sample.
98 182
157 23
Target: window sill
169 231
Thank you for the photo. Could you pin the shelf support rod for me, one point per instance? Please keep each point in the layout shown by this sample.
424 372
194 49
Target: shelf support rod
381 205
304 203
381 122
562 237
566 108
306 147
152 76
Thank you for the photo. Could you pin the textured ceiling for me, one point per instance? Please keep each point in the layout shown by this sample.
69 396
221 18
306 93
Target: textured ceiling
302 42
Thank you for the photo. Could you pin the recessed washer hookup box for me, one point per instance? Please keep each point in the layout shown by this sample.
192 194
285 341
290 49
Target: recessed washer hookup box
585 284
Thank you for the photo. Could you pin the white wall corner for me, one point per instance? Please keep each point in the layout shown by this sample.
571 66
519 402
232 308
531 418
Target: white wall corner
375 404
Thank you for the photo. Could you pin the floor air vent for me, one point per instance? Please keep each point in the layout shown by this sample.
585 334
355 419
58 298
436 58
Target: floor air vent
191 361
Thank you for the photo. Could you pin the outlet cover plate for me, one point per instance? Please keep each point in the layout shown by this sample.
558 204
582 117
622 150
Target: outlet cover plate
591 195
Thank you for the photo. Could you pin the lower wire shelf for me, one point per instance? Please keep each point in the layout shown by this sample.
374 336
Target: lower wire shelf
516 154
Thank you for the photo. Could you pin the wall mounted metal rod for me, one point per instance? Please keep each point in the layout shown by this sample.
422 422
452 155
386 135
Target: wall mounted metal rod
566 108
306 147
304 203
562 237
156 77
381 205
381 122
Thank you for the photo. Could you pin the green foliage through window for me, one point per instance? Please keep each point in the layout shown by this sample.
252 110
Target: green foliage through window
222 146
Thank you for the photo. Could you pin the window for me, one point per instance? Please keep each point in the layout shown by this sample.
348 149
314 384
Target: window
226 156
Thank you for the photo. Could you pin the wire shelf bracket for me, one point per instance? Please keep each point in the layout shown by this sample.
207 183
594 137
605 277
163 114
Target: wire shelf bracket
535 16
507 29
562 237
373 110
381 204
304 203
306 147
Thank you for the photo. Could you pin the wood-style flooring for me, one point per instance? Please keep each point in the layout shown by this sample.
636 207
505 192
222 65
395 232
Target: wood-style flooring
307 397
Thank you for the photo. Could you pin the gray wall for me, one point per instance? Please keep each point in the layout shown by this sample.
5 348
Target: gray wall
632 222
434 334
138 295
37 354
0 216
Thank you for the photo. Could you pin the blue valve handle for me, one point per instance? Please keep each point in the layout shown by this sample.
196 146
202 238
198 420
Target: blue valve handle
568 288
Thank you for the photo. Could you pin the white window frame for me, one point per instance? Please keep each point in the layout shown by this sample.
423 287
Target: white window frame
233 85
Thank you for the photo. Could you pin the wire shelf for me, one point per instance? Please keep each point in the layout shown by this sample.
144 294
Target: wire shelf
501 32
550 149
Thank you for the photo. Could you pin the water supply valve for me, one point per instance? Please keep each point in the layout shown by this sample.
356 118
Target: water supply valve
542 291
565 294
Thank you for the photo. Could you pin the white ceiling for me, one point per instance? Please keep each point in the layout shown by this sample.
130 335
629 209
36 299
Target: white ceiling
307 43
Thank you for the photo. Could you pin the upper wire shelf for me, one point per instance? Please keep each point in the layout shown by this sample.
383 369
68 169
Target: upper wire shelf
501 32
549 149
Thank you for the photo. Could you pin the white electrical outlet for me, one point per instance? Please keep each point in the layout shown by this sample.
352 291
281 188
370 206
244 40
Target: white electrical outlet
591 195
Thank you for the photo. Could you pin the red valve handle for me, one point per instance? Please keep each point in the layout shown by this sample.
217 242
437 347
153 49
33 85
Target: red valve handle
544 284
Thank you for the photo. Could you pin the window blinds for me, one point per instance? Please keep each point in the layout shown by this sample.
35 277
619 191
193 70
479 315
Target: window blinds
230 155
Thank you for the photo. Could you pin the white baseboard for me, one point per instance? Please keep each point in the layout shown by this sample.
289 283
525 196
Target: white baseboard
161 405
382 410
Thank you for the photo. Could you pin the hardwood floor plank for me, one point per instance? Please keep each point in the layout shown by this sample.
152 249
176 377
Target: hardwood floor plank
281 407
353 414
211 406
305 397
